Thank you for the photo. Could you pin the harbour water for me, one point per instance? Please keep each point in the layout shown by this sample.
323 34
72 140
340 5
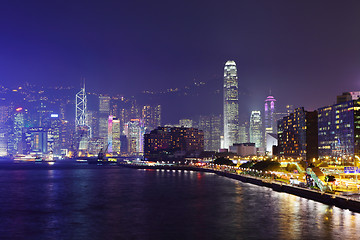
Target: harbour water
80 201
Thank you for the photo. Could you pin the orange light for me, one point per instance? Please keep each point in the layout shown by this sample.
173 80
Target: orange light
19 109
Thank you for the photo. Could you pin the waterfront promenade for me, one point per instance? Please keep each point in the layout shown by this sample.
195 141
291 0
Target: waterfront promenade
344 202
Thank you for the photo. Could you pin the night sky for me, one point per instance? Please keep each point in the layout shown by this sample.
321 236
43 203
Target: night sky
306 52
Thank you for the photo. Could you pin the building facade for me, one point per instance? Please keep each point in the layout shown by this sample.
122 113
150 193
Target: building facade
339 129
244 149
164 142
255 130
270 125
212 129
231 104
134 131
104 111
298 135
244 133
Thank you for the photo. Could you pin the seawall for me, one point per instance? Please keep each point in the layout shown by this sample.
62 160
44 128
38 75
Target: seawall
329 199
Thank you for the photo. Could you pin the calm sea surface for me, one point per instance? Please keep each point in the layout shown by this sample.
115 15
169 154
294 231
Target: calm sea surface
80 201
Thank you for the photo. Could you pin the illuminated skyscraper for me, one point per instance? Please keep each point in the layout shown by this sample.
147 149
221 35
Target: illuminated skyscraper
110 135
134 131
212 129
15 137
83 131
270 125
3 142
255 128
231 105
116 145
104 111
244 133
151 116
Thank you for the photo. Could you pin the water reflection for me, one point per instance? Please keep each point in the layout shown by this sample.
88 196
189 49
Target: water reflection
111 203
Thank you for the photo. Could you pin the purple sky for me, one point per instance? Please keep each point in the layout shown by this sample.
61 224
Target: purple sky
306 52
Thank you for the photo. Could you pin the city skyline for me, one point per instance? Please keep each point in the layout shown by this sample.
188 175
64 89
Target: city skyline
129 48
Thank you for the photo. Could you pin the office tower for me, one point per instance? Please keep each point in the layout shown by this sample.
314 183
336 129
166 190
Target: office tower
188 123
124 118
36 140
91 120
255 130
164 142
82 130
269 118
15 136
146 116
244 133
134 131
116 145
231 105
110 136
54 133
157 116
298 135
134 110
114 108
270 125
212 129
3 142
43 114
339 130
104 111
4 114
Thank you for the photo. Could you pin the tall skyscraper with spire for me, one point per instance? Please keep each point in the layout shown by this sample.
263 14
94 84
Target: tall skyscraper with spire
270 120
82 129
231 104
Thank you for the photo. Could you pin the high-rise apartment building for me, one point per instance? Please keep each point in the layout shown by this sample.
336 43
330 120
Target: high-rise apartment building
231 104
255 130
151 116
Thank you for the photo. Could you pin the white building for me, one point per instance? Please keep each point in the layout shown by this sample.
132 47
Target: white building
231 105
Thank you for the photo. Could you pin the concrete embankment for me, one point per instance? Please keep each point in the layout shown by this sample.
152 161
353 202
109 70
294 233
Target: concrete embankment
329 199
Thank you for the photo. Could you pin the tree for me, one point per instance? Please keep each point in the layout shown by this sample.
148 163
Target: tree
223 161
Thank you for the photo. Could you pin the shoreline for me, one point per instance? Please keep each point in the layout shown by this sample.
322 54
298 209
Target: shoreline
325 198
